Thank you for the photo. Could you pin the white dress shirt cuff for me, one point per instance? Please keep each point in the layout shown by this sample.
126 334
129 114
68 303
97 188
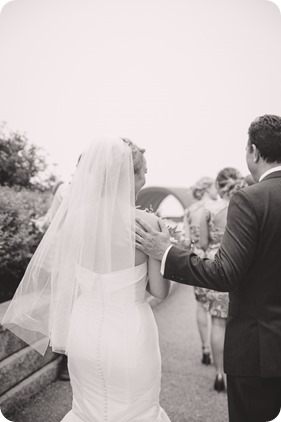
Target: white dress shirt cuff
163 262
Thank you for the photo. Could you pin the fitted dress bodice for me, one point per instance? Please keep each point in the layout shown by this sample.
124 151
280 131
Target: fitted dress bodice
119 288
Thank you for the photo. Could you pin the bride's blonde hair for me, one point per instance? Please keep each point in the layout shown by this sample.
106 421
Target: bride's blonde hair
137 154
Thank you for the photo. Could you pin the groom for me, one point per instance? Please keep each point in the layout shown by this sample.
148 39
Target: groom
248 266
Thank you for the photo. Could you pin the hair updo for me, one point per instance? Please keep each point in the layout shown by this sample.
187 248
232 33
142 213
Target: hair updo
228 181
137 154
201 186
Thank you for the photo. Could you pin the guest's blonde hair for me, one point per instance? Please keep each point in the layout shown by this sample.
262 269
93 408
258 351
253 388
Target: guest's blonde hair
201 186
228 181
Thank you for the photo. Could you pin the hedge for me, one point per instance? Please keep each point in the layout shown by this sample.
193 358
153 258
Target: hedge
18 235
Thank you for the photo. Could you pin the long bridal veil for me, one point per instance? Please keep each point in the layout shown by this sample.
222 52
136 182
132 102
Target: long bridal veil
93 228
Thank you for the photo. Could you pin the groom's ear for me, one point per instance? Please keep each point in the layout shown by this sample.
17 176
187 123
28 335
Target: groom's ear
256 153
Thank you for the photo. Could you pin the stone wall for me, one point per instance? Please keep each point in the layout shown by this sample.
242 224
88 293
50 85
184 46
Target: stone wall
23 371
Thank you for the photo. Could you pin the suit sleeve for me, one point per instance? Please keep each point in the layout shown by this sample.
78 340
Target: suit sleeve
233 259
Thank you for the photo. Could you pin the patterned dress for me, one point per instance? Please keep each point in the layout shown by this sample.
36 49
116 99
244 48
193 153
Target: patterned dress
197 208
217 302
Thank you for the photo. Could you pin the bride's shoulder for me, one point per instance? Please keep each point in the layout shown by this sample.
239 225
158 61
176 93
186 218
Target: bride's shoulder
148 217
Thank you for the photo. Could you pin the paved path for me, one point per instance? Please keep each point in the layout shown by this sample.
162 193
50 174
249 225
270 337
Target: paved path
187 385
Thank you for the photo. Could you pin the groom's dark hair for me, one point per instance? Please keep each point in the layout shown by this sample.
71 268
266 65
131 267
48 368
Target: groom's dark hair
265 133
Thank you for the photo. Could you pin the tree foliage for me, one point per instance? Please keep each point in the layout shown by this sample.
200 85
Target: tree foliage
21 163
25 195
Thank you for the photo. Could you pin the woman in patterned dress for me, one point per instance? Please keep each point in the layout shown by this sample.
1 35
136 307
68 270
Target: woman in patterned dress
212 227
204 191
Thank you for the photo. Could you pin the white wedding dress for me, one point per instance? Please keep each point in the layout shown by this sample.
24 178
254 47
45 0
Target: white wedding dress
113 351
82 294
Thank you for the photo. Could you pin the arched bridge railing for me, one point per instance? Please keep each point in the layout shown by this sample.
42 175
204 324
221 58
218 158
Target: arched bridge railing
154 195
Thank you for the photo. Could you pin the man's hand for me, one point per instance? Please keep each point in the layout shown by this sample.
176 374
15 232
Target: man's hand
151 241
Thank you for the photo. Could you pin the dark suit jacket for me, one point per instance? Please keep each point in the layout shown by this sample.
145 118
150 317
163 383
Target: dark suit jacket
248 265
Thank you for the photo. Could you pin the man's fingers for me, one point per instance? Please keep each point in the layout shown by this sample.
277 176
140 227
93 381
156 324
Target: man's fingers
146 227
139 232
140 247
138 238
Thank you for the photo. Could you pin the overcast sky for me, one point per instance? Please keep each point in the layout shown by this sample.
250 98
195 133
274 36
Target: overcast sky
182 78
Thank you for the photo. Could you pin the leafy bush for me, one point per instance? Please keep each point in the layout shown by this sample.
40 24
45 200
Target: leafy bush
18 235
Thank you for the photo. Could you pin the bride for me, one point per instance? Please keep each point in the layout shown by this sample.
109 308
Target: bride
84 291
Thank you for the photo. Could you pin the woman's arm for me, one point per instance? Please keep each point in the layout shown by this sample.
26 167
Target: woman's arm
204 230
157 285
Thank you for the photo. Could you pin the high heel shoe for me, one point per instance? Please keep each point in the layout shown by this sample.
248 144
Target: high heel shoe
206 357
219 384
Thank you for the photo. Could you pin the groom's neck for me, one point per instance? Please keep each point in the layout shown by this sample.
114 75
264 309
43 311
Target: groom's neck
263 167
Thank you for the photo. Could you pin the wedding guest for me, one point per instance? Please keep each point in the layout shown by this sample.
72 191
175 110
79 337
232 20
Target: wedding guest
204 191
42 225
59 192
249 180
212 227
